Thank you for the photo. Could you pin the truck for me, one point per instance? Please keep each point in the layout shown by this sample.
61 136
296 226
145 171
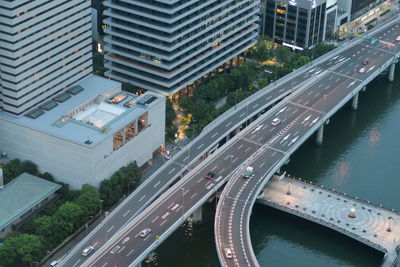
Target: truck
248 173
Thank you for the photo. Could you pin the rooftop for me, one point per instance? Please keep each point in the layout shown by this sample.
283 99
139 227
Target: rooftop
22 194
91 110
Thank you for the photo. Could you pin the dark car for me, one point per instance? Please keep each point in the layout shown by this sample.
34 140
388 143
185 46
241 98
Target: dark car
365 62
209 175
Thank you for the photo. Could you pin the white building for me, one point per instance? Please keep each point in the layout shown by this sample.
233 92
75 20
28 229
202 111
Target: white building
165 46
45 47
85 134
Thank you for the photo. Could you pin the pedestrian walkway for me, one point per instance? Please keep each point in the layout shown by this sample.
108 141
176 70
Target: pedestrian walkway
364 221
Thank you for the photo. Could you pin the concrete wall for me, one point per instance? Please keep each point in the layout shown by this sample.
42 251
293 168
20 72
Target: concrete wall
77 164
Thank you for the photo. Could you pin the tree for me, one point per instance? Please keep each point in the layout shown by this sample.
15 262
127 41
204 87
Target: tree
107 194
46 226
302 60
21 250
71 213
12 170
170 114
282 53
89 200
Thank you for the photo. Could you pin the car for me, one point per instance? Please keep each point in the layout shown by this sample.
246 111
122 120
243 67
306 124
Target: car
87 251
365 62
228 253
398 38
275 121
209 175
53 263
248 173
145 232
362 70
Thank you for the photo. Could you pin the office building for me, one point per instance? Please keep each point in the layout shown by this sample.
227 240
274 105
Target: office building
295 23
86 133
45 46
165 46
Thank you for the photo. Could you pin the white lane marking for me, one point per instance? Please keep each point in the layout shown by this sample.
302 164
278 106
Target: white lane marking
171 205
185 159
130 252
76 263
256 105
239 147
229 123
213 168
221 171
212 136
201 178
126 213
147 237
142 198
247 149
157 184
200 146
241 115
155 219
104 265
269 97
110 229
262 164
171 171
353 82
165 215
119 251
195 194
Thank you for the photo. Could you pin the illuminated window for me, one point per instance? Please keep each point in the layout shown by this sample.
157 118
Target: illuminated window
280 11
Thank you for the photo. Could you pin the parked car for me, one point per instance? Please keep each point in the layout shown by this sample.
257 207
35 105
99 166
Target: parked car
144 232
209 175
87 251
275 121
228 253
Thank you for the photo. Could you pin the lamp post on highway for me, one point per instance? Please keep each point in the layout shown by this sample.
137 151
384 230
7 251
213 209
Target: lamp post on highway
325 104
390 218
183 202
288 191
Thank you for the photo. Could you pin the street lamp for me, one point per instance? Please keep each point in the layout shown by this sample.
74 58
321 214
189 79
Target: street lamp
183 202
390 218
288 192
325 104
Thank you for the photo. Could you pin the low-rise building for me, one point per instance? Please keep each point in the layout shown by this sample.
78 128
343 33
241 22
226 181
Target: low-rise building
86 133
23 197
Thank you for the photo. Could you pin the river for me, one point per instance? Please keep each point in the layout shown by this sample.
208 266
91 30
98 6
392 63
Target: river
360 156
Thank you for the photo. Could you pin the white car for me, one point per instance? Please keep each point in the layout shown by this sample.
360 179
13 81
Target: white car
144 232
53 263
362 70
87 251
228 253
398 38
275 121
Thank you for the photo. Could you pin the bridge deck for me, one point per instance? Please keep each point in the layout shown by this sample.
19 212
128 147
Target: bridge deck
372 225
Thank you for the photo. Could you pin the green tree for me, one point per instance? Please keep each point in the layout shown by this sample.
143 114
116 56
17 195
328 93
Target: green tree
12 170
107 194
282 53
300 61
89 200
71 213
170 114
46 226
21 250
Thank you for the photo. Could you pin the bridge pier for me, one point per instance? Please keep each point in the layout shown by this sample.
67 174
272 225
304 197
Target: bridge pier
391 72
198 216
320 135
354 104
364 89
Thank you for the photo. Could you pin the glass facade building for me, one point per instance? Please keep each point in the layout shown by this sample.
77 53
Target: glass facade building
45 46
296 23
166 45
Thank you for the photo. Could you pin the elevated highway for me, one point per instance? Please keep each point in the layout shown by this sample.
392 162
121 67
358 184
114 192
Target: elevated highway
131 216
303 115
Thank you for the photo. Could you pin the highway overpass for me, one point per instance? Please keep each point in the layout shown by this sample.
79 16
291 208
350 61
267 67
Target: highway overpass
303 115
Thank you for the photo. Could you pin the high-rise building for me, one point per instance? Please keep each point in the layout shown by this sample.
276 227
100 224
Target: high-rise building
166 45
45 46
295 23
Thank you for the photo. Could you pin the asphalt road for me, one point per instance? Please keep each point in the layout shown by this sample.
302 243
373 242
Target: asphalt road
170 171
298 115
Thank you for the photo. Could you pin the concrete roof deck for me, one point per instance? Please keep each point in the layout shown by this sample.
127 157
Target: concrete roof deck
22 194
78 131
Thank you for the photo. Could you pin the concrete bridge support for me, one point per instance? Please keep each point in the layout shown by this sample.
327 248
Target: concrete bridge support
391 72
364 89
198 216
320 135
354 104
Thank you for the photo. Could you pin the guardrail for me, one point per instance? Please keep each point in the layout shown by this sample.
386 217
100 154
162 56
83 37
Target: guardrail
319 186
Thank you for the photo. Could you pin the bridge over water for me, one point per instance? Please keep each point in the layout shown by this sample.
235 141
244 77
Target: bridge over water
369 223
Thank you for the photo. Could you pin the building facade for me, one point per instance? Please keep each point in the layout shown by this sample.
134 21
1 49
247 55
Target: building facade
164 46
45 46
295 23
87 133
